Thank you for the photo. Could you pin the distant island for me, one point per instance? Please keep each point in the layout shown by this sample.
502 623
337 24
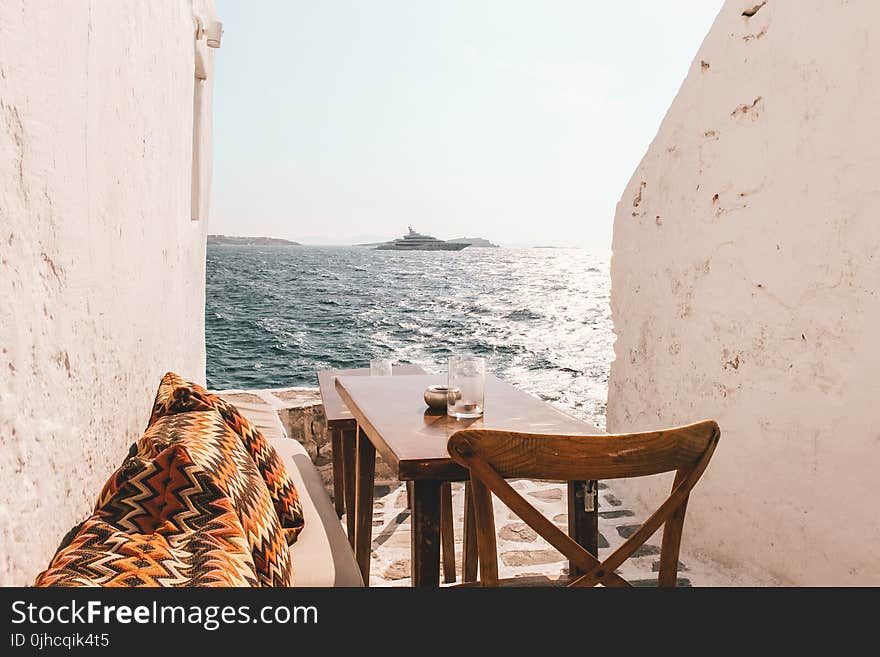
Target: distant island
228 240
476 242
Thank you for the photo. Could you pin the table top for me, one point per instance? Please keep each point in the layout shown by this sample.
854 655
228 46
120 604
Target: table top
412 439
338 415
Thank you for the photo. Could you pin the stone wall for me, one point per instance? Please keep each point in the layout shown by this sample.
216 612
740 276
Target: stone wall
101 266
746 263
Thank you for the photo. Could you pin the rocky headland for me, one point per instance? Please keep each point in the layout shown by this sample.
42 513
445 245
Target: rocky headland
229 240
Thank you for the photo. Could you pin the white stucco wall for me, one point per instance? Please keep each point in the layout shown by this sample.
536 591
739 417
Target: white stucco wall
101 266
745 282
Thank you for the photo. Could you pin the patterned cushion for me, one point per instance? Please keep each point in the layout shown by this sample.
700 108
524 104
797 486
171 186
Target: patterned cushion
218 450
176 395
160 522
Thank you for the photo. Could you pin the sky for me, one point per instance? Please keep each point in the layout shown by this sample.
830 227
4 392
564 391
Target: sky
346 121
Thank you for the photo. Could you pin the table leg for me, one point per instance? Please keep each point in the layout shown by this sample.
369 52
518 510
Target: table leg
469 547
363 531
338 472
426 533
447 536
583 524
348 438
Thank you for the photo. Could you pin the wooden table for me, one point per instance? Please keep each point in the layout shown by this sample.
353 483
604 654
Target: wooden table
392 415
343 435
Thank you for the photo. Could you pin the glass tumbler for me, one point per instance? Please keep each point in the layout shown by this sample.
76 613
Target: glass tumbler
467 386
380 367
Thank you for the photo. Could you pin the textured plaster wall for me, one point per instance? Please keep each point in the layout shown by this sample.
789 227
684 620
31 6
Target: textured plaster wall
745 282
101 267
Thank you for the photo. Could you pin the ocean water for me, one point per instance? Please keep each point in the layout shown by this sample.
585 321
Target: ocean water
541 317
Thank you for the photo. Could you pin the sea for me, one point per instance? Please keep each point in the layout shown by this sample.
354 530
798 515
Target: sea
540 316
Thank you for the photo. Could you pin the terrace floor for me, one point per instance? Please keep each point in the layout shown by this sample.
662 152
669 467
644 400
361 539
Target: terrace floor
521 552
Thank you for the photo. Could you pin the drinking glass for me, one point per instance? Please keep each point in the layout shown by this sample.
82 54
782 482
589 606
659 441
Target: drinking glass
467 386
380 367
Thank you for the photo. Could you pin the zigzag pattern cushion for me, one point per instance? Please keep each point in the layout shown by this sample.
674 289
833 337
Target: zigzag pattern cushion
160 522
217 449
176 395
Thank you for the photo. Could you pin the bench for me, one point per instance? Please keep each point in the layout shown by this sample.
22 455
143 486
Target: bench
322 555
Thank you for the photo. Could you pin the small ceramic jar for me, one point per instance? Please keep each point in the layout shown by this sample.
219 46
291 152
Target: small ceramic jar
435 396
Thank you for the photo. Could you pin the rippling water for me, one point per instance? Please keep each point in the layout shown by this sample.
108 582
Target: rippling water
541 317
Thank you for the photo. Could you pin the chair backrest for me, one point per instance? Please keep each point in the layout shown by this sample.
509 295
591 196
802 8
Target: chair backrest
491 456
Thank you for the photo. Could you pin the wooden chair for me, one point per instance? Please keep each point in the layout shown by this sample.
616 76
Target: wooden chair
493 456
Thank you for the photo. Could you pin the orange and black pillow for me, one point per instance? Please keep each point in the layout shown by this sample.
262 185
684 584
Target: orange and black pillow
176 395
217 449
160 522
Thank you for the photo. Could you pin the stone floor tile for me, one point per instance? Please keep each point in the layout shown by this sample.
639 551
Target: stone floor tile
626 531
612 500
646 583
655 567
398 569
519 532
548 494
530 557
645 550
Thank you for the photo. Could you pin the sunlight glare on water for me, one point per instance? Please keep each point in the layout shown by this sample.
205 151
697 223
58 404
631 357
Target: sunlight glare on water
541 317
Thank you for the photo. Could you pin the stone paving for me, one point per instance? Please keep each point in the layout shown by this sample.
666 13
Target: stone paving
520 551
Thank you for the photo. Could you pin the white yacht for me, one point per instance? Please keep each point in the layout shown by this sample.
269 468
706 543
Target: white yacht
414 241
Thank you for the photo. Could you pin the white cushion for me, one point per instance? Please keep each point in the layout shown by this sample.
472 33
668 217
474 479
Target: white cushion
321 555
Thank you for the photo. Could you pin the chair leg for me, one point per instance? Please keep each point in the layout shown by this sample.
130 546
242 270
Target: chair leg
672 541
447 535
485 530
469 540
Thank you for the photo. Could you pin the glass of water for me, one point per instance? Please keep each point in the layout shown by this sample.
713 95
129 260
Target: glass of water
380 367
467 386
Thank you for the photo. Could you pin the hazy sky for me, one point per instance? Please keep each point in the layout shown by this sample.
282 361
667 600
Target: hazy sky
519 121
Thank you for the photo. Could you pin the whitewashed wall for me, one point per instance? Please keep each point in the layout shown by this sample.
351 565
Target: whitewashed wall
746 288
101 266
